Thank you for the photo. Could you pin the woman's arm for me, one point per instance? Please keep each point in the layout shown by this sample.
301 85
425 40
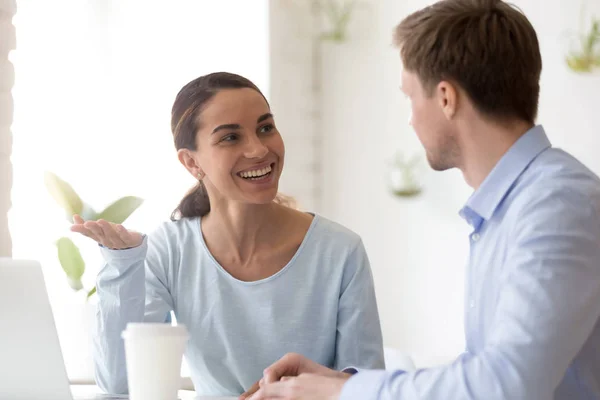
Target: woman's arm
131 287
359 341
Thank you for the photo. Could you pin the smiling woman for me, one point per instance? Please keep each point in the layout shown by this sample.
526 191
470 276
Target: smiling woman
251 278
233 152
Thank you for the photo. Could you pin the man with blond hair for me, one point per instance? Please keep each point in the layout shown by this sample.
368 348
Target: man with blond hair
471 69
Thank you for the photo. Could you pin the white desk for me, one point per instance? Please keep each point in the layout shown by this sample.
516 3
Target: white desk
90 390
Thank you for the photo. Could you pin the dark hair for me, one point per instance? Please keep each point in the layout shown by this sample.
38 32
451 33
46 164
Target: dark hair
185 122
487 47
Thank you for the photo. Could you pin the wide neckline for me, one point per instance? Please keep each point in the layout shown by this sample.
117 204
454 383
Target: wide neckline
286 267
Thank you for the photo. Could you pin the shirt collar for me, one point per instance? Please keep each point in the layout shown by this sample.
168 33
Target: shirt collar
486 199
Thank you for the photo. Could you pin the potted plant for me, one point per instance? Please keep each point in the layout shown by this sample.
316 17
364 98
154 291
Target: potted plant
75 319
338 17
69 256
404 177
587 56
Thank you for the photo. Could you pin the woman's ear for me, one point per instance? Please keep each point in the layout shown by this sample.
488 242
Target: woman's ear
187 159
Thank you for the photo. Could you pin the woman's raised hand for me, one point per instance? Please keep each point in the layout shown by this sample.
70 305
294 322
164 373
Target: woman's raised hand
108 234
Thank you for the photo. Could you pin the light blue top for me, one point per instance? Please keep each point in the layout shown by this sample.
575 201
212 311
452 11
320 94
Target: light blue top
321 304
532 290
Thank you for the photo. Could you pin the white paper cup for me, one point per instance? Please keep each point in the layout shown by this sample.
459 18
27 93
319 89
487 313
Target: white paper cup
153 355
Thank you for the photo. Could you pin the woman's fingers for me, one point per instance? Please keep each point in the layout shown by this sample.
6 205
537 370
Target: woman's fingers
108 234
79 227
253 389
111 236
84 231
124 235
93 227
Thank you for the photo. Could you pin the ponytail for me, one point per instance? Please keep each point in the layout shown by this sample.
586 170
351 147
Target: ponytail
194 204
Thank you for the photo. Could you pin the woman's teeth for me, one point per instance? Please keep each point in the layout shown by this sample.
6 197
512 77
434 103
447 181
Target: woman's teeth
256 174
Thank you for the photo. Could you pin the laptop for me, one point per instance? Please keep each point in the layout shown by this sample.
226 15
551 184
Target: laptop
31 361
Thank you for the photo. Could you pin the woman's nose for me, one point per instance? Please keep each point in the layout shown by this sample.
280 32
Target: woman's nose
256 149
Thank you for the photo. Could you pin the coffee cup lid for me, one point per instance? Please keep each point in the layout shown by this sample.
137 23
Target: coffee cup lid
148 329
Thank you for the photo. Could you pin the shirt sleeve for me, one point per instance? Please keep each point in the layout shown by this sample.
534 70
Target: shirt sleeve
548 305
359 341
132 286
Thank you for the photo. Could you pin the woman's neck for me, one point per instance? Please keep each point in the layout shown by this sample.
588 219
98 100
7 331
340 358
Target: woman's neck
239 230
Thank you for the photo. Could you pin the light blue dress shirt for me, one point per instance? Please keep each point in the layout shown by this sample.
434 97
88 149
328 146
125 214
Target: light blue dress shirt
532 291
321 304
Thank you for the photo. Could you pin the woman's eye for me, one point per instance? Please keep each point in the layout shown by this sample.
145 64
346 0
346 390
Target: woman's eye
266 128
229 138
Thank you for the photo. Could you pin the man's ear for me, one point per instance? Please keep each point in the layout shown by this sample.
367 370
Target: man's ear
187 159
447 96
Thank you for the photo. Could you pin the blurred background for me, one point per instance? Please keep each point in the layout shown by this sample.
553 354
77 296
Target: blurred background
94 81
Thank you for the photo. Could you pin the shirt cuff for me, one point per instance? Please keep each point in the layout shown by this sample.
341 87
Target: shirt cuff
364 385
125 254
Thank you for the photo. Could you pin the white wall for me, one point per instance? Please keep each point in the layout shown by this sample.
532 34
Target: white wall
418 247
292 98
7 77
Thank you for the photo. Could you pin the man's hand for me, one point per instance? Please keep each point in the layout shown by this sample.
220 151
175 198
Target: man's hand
303 387
292 365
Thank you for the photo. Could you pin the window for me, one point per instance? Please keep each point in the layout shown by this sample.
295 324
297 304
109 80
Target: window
95 81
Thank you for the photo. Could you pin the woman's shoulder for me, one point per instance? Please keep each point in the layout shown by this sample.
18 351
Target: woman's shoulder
329 233
176 231
337 246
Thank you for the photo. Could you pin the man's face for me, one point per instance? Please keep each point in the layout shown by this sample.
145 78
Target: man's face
434 130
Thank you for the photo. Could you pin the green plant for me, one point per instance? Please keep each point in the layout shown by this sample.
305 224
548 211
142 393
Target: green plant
587 57
404 177
69 255
338 16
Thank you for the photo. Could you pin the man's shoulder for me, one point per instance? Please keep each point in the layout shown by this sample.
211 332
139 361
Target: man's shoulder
556 179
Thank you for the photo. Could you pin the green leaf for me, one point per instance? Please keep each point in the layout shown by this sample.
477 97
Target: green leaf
345 15
63 194
121 209
75 284
91 292
88 213
71 261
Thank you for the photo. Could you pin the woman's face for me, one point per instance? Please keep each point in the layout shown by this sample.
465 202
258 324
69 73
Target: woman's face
239 150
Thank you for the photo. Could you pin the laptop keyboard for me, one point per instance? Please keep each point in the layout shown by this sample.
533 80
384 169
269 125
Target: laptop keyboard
101 397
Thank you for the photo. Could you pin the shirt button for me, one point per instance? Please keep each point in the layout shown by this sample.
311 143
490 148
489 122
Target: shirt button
475 237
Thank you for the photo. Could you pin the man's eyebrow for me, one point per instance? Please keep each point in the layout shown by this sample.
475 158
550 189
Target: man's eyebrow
264 117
